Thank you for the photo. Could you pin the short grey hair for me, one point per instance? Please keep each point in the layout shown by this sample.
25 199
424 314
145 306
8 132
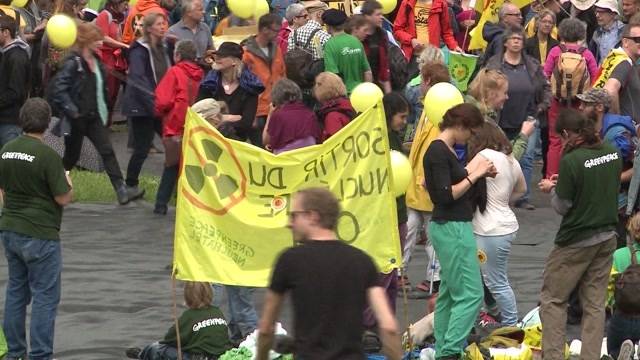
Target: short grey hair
292 11
186 49
572 30
186 6
285 91
430 54
503 10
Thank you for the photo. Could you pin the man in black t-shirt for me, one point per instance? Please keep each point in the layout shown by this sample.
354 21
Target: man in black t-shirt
330 283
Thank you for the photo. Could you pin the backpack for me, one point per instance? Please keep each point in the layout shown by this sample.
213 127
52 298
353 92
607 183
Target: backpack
570 76
627 291
299 60
398 67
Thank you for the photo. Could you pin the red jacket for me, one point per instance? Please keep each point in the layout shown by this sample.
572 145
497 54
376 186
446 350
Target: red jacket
335 114
404 28
177 90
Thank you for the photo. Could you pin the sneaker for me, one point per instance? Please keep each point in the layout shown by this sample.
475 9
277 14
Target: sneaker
133 353
626 350
122 194
134 193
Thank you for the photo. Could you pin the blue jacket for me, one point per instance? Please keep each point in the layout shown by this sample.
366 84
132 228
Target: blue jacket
139 95
249 82
619 131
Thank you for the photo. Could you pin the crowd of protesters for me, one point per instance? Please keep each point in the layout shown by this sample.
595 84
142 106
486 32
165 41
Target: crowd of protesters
557 86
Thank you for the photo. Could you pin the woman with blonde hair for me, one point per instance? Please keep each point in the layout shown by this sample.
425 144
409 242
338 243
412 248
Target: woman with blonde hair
79 94
488 91
335 108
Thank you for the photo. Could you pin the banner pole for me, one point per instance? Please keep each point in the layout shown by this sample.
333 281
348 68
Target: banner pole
405 308
175 315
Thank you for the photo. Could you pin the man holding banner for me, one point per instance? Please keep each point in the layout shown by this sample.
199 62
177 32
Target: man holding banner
330 283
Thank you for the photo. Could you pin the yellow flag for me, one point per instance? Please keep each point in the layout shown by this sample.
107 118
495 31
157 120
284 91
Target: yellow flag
234 199
489 10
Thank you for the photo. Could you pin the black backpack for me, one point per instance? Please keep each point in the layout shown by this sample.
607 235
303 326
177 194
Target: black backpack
627 291
299 60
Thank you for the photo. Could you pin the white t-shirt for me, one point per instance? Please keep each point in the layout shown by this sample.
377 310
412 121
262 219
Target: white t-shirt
498 219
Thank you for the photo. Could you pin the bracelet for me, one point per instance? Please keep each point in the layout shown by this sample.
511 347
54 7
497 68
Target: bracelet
469 180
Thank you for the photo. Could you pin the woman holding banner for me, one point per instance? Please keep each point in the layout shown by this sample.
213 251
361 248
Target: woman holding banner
451 231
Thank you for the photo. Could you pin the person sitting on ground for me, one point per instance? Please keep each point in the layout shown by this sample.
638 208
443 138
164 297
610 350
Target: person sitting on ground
203 330
335 108
290 125
622 325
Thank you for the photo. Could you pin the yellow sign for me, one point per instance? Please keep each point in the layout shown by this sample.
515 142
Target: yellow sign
615 57
489 10
344 5
234 199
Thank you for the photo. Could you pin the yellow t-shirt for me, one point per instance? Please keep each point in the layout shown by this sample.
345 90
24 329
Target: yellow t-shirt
542 45
421 12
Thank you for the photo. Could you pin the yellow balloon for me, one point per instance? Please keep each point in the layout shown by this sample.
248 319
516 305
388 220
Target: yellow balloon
62 31
19 3
440 98
262 8
365 96
400 172
243 9
388 5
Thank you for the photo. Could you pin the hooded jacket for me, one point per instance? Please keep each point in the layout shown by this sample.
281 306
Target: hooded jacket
335 114
141 80
244 101
404 27
177 90
618 130
269 69
492 33
15 71
136 14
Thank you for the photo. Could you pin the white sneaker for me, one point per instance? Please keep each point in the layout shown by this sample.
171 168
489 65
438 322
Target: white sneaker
626 350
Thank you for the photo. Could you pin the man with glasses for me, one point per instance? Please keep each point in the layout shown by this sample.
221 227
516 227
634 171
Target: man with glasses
15 72
311 36
609 30
330 283
509 16
624 83
296 16
263 57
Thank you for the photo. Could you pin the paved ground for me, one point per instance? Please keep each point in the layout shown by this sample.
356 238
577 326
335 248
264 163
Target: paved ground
116 287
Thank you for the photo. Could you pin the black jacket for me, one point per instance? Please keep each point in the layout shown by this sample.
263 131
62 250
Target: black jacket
73 92
588 16
15 75
532 48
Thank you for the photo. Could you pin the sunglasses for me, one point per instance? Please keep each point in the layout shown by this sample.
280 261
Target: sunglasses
635 39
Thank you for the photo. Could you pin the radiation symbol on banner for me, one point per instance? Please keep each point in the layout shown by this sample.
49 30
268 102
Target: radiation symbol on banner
211 187
460 72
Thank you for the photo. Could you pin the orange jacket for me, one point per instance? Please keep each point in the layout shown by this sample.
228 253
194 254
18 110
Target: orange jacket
136 16
269 71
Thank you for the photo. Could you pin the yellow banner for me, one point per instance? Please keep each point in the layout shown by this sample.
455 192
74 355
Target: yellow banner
234 199
615 57
489 10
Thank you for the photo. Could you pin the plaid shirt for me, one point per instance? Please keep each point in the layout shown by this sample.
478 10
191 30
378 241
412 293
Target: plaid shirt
316 45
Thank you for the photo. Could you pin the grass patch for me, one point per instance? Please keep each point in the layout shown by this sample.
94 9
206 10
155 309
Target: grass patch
91 187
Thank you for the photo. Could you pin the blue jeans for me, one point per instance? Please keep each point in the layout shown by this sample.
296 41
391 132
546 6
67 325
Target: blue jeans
157 351
494 274
526 162
620 328
167 185
8 132
34 276
243 318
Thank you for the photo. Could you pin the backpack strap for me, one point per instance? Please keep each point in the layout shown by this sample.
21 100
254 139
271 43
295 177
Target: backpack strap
295 38
313 33
563 48
632 250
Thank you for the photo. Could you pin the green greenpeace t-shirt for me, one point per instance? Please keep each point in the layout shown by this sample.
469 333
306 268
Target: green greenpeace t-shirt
31 175
202 331
344 55
590 179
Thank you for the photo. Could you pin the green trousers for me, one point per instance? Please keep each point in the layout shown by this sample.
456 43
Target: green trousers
461 291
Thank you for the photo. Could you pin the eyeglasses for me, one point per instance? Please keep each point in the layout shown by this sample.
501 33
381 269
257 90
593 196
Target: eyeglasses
635 39
294 214
304 16
514 14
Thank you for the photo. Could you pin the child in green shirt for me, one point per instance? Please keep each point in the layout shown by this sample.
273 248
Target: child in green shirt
202 329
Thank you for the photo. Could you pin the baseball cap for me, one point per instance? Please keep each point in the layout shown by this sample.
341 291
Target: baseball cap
595 95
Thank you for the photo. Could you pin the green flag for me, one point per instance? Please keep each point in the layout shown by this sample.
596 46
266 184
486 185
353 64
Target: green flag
461 67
